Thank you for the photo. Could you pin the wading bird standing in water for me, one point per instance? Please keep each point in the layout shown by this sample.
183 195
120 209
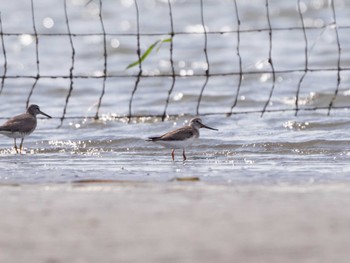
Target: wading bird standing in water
182 137
22 125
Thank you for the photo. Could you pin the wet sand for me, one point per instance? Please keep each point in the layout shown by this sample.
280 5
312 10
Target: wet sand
174 222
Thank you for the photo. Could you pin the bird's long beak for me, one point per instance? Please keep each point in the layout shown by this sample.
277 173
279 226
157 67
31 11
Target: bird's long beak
207 127
43 113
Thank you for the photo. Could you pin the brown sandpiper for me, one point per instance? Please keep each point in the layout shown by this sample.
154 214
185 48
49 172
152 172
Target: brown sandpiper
22 125
181 137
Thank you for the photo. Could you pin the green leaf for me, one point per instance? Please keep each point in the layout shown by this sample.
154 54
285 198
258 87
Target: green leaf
163 41
148 51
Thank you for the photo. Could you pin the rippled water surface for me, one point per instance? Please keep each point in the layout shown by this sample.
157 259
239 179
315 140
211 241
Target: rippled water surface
248 148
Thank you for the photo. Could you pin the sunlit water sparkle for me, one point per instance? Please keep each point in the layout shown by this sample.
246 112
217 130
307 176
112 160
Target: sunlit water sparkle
277 148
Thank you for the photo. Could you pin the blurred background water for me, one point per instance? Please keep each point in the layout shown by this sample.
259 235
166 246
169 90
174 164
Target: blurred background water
276 148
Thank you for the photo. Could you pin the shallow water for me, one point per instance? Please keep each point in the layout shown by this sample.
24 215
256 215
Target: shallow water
244 150
278 148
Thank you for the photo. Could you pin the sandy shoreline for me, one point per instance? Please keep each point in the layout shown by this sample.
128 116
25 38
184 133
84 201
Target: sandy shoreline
174 222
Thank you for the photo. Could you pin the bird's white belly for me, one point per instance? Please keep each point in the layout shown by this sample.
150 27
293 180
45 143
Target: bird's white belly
14 134
177 144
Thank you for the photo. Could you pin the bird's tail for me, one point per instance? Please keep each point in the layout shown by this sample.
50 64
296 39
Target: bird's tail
153 139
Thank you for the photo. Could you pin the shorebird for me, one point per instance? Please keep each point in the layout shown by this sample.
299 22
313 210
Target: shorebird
22 125
182 137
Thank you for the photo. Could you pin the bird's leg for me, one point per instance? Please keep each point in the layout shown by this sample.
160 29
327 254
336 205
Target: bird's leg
183 154
173 154
15 145
20 146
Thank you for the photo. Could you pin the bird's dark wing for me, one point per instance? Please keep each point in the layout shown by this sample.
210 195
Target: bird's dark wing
176 135
20 123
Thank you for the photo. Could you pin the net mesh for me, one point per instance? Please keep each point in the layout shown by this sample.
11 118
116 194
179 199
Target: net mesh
253 54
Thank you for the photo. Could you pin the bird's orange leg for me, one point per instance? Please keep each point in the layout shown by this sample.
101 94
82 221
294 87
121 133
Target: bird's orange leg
173 154
20 146
184 155
15 145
